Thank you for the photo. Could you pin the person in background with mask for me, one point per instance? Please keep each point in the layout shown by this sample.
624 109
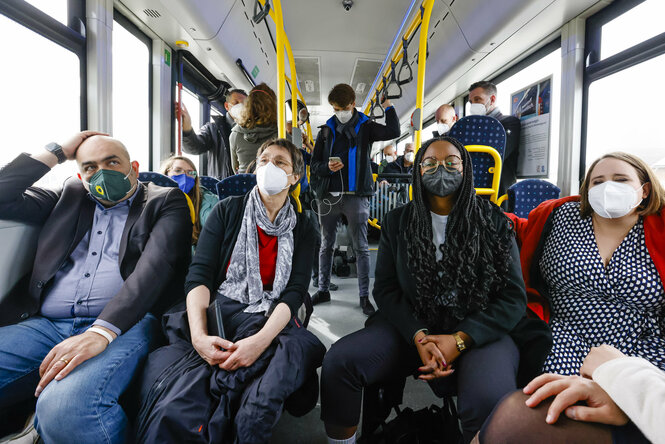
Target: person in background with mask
389 156
341 177
254 260
451 302
445 117
257 123
112 255
213 138
182 170
596 264
404 163
482 101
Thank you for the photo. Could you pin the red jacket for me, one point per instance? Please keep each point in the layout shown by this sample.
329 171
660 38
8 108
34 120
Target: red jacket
529 233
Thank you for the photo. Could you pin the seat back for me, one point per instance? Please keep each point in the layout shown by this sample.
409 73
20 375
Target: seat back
526 195
157 179
237 185
486 131
210 183
19 244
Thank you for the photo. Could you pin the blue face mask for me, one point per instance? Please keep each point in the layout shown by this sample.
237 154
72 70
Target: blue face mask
185 182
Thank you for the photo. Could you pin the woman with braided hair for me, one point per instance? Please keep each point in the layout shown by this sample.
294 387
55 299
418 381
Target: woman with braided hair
452 303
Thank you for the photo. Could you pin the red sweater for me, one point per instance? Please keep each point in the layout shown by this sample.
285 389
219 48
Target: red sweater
529 233
267 258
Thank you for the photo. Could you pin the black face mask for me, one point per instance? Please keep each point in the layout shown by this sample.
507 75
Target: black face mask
443 182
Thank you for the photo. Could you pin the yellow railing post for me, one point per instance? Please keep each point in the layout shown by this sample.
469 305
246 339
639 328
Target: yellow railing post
422 56
281 86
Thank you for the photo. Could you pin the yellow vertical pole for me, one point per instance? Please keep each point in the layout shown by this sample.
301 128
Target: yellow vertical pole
294 82
281 85
422 55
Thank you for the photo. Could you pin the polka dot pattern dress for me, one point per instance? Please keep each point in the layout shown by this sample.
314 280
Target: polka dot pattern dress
622 305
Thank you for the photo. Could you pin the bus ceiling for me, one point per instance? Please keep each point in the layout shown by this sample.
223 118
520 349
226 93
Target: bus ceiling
468 40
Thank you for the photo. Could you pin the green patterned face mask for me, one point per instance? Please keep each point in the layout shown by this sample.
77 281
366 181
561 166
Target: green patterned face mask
109 185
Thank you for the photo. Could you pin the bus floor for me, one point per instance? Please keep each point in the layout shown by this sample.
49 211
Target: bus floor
329 322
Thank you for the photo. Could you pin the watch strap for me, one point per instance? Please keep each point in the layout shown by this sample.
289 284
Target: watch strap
57 151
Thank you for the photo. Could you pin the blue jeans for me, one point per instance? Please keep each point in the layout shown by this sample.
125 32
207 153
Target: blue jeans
83 407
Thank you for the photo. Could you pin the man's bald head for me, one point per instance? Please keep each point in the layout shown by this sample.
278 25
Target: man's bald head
446 114
389 150
95 144
105 153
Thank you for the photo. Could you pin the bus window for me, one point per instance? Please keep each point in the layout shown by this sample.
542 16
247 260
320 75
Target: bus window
131 94
621 118
428 132
41 96
644 21
193 106
55 8
542 68
213 112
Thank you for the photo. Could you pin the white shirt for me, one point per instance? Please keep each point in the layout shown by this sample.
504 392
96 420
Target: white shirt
439 232
638 388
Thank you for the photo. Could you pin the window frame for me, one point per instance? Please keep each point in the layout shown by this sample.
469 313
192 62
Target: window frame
597 69
136 32
70 37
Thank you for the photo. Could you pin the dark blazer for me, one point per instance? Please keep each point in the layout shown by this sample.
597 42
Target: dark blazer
395 293
154 252
513 128
218 237
368 133
213 141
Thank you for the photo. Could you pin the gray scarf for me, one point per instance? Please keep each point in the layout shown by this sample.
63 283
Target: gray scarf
243 277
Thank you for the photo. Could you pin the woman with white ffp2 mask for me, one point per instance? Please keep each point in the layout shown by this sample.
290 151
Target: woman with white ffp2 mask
600 260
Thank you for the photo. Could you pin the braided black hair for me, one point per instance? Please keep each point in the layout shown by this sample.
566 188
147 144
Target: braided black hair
476 253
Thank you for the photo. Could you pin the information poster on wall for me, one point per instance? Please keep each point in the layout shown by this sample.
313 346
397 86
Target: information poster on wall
532 106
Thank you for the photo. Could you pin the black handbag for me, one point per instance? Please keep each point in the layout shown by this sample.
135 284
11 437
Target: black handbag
430 425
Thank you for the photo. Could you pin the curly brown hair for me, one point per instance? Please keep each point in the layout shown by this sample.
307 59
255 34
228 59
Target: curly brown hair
260 107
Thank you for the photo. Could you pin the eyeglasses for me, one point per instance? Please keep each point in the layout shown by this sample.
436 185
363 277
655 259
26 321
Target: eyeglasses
178 171
278 161
450 163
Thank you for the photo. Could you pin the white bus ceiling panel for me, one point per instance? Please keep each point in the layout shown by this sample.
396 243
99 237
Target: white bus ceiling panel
203 18
170 27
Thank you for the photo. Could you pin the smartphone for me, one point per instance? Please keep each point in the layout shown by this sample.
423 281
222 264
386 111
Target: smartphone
215 321
335 159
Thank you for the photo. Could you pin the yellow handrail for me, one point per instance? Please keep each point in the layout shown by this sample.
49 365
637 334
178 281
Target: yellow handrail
495 170
282 41
281 87
396 58
422 57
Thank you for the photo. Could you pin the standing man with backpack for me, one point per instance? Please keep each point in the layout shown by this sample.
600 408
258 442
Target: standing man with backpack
341 177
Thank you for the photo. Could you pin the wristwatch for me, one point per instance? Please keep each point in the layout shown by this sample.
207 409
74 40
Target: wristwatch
57 150
461 346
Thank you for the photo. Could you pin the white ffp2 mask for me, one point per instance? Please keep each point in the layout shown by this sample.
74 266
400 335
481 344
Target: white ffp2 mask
614 199
442 128
271 179
344 116
476 109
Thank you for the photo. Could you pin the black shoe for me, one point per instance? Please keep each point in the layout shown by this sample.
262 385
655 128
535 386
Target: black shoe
333 287
320 296
366 305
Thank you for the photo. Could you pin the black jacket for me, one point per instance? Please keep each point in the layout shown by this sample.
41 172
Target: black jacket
218 238
183 399
154 252
395 293
397 167
368 133
513 128
213 141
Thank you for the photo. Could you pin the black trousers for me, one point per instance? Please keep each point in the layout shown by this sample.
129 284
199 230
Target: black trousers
377 353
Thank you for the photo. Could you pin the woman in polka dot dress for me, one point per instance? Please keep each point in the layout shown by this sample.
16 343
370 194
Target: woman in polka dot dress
598 274
597 262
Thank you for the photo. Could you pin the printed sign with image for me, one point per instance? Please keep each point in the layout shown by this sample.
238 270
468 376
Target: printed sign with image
532 106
